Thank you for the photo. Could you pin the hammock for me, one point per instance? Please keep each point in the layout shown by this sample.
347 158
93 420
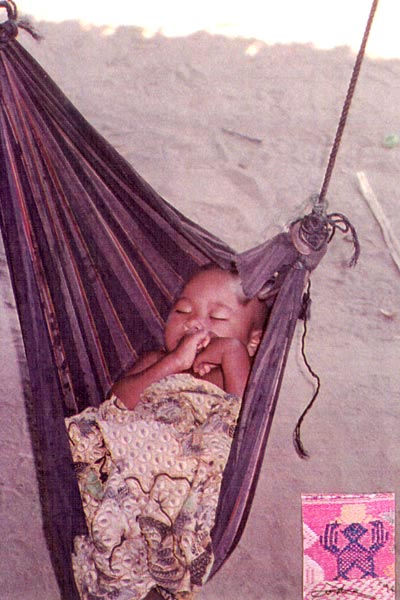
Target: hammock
96 257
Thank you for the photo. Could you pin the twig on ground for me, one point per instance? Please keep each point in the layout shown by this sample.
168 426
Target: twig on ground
390 239
242 136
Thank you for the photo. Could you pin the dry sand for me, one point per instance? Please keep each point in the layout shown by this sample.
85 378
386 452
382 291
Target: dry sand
238 140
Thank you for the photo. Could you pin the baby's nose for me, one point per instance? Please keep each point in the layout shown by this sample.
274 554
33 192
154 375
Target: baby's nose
194 323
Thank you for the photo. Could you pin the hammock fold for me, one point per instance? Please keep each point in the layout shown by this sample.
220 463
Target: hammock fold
96 258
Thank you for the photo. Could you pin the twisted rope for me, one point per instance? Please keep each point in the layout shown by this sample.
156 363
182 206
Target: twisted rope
319 227
346 105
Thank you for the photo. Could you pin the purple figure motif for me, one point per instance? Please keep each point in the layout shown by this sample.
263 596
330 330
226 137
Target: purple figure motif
354 555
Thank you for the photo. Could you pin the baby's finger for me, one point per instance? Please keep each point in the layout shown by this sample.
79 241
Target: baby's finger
204 369
198 362
204 342
196 368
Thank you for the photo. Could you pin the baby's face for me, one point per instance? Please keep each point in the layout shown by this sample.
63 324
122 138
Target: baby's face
211 301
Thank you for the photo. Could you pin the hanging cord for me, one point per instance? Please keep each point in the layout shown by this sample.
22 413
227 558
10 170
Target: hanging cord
347 104
320 226
316 229
339 221
298 444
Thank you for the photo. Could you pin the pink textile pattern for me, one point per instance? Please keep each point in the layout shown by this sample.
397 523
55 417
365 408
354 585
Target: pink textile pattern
348 546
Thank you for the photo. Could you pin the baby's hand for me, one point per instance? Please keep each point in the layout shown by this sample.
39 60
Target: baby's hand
217 353
188 348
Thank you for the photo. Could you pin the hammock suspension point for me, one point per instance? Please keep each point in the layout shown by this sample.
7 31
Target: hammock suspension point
9 28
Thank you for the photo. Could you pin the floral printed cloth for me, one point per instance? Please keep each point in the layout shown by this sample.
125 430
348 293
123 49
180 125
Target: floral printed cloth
149 480
349 546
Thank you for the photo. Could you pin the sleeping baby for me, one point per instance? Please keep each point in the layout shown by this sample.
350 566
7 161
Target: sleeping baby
150 459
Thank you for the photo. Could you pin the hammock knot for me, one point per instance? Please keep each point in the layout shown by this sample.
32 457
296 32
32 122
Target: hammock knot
314 230
309 236
9 28
8 32
312 233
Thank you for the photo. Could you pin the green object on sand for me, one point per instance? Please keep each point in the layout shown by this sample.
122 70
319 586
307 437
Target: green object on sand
391 140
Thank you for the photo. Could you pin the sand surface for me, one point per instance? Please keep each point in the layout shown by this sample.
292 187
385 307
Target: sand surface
236 132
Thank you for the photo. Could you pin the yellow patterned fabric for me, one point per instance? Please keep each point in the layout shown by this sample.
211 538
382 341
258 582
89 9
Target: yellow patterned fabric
149 480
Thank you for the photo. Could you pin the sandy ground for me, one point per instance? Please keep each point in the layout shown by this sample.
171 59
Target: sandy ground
236 133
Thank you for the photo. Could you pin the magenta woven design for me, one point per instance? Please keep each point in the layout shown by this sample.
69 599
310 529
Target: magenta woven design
348 543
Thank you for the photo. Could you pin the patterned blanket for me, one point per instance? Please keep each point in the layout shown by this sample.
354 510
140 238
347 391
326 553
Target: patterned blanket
149 481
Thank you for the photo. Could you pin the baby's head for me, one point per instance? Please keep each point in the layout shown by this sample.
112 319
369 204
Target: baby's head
213 300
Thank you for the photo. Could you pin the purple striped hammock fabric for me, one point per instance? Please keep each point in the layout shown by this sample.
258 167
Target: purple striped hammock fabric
96 256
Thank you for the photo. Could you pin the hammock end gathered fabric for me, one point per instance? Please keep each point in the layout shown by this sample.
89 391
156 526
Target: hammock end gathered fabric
317 229
262 269
311 245
9 28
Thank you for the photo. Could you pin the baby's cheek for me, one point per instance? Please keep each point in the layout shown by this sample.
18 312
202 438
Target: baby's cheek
225 332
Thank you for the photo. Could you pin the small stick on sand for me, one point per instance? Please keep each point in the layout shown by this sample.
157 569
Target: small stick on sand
384 223
241 136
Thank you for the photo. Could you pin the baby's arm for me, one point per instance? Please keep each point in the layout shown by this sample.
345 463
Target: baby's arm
231 355
156 365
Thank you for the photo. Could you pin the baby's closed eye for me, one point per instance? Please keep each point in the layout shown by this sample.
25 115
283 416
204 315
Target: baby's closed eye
183 307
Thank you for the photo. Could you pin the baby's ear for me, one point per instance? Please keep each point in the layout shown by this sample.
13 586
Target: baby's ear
254 341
